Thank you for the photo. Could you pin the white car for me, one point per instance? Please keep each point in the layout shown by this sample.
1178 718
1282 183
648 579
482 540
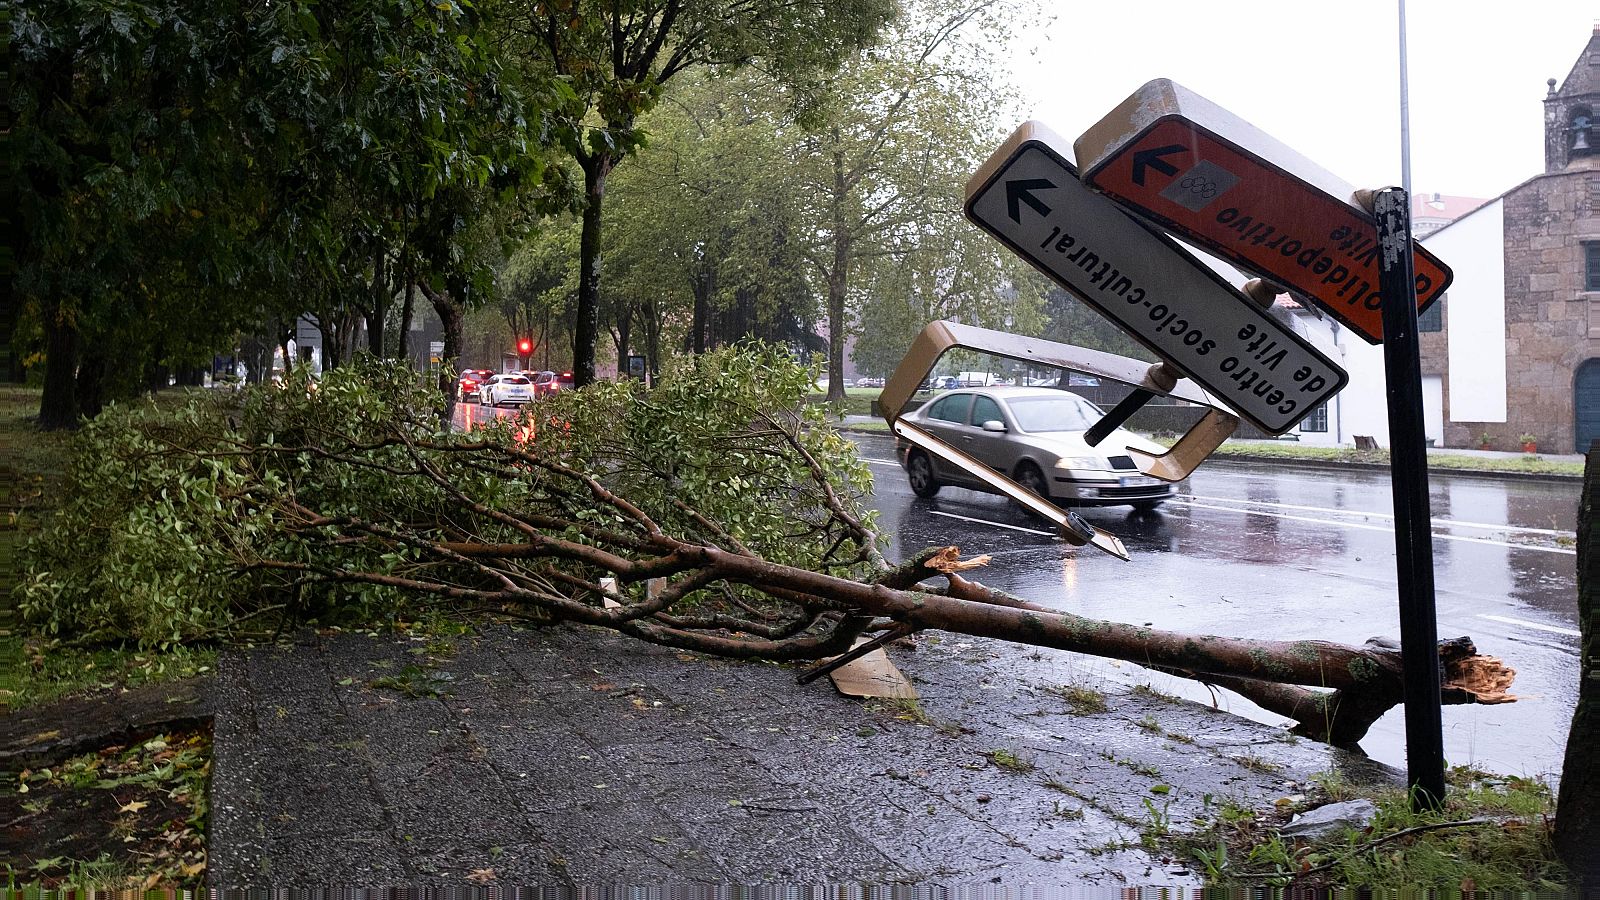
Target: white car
510 388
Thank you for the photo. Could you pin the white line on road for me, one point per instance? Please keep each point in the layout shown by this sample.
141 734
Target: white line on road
1526 624
1445 537
995 524
881 462
1447 523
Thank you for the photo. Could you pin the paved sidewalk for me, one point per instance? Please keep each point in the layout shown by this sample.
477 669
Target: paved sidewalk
577 756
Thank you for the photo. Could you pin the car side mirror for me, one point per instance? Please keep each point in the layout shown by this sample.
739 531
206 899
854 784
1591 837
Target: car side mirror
994 425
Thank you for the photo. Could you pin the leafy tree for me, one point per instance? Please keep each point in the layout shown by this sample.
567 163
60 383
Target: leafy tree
618 55
893 137
706 234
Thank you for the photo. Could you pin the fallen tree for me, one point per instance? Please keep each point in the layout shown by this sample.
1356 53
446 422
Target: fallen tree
731 517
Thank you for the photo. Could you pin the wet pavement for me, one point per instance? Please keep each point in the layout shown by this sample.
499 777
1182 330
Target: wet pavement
577 756
1257 550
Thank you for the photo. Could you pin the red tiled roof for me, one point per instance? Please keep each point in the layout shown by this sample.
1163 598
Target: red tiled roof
1442 206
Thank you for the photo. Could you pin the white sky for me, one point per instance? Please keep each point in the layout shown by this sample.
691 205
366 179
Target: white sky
1324 78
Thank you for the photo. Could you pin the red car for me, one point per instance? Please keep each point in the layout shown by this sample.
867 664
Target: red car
470 381
547 383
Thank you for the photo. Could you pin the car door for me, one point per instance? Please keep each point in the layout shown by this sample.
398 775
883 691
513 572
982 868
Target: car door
947 421
992 448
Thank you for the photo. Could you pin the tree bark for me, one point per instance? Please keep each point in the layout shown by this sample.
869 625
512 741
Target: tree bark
1577 836
838 282
586 330
93 368
404 338
452 314
58 405
379 311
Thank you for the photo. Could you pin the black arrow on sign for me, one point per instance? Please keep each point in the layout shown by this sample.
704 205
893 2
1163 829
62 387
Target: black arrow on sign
1021 191
1152 159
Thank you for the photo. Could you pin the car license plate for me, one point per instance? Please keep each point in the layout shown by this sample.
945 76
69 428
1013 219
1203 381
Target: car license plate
1139 481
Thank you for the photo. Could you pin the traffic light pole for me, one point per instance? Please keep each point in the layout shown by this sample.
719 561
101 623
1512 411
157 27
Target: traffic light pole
1413 527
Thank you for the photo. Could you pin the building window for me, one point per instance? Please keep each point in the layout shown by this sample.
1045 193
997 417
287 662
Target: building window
1591 266
1317 421
1432 318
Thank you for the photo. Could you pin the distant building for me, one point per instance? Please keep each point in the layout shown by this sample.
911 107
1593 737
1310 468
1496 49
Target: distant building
1514 346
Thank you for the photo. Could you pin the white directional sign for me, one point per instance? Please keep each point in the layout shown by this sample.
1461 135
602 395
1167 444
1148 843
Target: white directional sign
1029 197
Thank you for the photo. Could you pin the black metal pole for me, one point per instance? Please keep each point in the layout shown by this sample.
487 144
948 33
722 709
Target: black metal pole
1413 530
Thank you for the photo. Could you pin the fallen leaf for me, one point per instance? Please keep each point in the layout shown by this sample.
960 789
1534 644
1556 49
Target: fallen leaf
46 735
481 876
192 869
152 881
133 806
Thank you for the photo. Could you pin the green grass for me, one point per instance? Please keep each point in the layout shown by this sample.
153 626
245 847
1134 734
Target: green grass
1510 851
1531 465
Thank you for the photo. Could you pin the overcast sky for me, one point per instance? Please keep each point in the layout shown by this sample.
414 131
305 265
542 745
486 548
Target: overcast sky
1324 78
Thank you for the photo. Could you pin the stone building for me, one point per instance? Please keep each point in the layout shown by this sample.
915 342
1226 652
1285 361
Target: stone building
1515 342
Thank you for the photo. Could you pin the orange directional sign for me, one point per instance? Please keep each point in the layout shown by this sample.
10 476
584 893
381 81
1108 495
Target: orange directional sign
1181 161
1029 197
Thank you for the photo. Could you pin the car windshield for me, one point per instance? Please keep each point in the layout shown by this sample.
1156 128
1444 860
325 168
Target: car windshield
513 379
1064 413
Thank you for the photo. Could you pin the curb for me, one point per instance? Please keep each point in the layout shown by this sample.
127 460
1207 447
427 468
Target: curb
52 732
1331 466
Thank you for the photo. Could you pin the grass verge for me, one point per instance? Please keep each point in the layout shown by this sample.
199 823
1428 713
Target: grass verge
1493 834
1527 465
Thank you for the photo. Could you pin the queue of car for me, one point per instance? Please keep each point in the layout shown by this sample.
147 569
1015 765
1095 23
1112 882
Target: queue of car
501 388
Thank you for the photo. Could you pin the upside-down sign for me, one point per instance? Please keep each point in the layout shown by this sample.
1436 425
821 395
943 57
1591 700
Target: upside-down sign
1028 196
1187 164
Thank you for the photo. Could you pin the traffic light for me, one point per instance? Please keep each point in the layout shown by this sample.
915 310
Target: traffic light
524 346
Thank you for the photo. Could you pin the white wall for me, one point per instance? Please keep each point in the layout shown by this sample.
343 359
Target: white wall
1364 409
1475 313
1433 409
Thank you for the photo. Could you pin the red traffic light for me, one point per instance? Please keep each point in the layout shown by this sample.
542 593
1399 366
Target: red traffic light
524 346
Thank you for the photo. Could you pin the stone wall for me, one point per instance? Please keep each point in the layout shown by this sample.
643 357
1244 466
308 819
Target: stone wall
1547 220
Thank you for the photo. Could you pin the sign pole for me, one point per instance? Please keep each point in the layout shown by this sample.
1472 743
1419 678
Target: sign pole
1413 532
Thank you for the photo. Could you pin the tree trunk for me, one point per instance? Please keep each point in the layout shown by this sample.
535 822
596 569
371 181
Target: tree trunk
586 330
403 340
58 405
93 368
452 314
838 283
379 311
624 337
1577 835
702 286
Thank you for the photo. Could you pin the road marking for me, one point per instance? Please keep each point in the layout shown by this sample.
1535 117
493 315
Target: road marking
1526 624
1447 523
1337 524
881 462
995 524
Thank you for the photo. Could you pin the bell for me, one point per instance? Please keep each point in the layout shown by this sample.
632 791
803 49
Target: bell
1580 139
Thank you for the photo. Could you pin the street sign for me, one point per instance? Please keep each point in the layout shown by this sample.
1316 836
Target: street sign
1029 197
1193 167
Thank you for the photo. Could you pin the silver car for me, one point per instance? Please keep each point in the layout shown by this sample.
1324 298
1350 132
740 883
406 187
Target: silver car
1035 435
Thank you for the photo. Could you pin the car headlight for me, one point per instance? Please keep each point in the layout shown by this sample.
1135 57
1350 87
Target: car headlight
1081 462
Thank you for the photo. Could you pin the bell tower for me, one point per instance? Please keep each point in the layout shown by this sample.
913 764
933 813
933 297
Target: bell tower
1572 114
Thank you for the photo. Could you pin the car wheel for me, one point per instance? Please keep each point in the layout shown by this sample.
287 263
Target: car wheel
1029 476
919 471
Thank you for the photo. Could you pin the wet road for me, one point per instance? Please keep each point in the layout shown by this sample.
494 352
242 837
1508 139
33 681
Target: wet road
1292 554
